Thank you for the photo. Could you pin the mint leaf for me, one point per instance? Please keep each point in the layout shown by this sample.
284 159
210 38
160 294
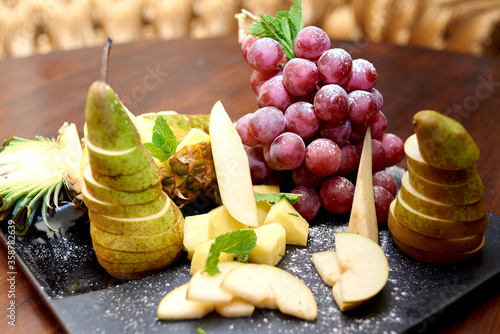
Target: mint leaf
163 142
275 198
239 242
283 28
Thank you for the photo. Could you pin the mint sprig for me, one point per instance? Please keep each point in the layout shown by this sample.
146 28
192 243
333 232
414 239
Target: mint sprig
163 142
275 198
238 242
283 28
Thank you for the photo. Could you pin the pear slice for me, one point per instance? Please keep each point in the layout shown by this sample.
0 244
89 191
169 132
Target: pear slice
363 219
271 287
206 288
143 179
365 269
113 196
419 166
237 307
428 206
432 226
124 211
328 267
134 243
175 306
156 223
232 168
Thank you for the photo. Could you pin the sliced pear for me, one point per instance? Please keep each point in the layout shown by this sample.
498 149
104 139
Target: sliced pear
271 287
428 206
363 219
328 267
143 179
271 244
365 269
232 168
237 307
195 232
175 306
297 228
206 288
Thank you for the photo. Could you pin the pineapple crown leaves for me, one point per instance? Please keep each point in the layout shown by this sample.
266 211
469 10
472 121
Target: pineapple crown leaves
163 142
282 28
238 242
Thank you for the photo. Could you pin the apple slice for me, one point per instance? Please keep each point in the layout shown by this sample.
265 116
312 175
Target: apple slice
232 168
206 288
235 308
363 219
271 287
328 267
175 306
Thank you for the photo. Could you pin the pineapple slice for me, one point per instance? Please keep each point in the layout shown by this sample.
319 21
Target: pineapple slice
195 232
200 257
271 244
194 136
38 174
222 222
297 228
264 207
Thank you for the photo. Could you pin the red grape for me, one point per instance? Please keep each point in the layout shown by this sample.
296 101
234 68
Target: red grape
378 124
383 199
336 194
309 204
301 119
331 103
378 98
394 149
266 123
363 76
258 78
311 42
273 93
287 151
302 176
265 54
339 132
300 76
358 132
246 44
386 180
323 157
242 128
259 169
350 160
362 106
334 66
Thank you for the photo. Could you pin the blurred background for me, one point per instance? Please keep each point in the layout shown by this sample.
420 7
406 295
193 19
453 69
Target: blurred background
40 26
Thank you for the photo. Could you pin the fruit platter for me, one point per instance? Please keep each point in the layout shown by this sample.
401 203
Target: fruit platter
303 213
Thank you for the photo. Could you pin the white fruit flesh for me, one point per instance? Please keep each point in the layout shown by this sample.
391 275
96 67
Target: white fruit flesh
297 228
195 232
232 168
271 244
328 267
175 306
363 219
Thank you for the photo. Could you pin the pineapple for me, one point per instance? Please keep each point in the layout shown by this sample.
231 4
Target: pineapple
37 175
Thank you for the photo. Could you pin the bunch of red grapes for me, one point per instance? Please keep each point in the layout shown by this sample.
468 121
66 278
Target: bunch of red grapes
313 114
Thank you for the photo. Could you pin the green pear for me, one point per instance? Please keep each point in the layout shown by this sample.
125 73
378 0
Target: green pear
444 143
143 179
108 124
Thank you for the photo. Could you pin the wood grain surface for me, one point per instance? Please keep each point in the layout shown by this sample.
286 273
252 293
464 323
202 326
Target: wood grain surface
38 94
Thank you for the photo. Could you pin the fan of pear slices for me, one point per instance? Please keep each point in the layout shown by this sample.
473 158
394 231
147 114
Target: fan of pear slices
357 270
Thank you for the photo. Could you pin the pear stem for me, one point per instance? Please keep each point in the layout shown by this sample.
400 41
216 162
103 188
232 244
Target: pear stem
105 59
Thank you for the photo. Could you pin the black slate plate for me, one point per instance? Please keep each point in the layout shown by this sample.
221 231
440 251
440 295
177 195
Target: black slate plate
85 299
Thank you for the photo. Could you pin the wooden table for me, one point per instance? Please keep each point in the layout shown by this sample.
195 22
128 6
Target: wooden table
38 94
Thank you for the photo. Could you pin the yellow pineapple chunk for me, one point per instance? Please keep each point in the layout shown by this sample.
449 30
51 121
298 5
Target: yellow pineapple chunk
264 207
220 222
297 228
200 257
195 232
271 244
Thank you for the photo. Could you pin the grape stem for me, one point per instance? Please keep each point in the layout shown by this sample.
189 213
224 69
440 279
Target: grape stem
105 59
242 27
